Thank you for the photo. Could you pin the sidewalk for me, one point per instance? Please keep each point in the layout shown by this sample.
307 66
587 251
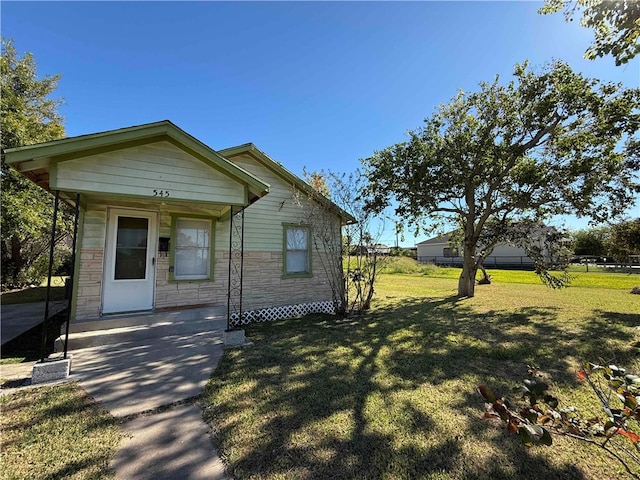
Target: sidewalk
134 380
151 385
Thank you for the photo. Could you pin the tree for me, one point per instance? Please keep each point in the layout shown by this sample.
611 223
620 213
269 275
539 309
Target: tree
317 181
615 24
498 162
27 116
592 241
353 277
624 240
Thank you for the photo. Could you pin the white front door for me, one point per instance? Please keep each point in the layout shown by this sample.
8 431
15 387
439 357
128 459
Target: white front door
129 273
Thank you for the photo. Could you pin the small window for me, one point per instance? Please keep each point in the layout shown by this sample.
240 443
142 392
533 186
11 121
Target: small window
192 260
297 257
450 252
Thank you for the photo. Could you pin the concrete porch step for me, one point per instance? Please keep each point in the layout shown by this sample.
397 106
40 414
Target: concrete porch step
135 328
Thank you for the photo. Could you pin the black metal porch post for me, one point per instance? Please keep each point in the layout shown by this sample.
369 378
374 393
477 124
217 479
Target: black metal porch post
236 264
48 291
73 272
241 261
230 266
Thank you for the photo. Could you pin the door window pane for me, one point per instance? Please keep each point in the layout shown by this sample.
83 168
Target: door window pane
131 248
192 252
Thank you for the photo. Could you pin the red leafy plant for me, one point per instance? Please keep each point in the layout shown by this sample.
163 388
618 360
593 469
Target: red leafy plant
538 415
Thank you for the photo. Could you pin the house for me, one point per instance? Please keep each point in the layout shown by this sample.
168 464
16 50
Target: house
167 223
379 249
440 251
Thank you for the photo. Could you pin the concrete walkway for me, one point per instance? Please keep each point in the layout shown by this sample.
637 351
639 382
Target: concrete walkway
18 318
136 381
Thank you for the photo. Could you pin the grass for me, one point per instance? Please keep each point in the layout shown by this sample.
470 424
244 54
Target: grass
34 294
596 278
391 395
54 433
25 357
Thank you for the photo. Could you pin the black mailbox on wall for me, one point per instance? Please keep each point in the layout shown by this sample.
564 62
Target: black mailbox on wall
163 244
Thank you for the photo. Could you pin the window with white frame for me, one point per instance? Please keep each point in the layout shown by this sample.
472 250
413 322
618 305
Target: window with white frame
297 258
192 254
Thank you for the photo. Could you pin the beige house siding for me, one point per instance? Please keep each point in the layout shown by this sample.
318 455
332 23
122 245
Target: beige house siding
146 171
171 294
264 219
502 254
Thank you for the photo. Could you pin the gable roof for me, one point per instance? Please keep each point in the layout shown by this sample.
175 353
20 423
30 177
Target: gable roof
444 238
34 161
277 168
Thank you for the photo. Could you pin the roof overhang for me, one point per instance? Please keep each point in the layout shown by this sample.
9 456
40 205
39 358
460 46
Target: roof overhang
36 161
277 168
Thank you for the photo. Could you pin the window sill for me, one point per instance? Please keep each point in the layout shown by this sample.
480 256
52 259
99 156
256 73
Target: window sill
190 280
286 276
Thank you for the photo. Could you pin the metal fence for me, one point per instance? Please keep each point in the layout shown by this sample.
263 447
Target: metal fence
502 261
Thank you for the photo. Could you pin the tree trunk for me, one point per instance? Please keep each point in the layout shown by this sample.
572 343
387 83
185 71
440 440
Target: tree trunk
370 284
467 280
486 278
16 258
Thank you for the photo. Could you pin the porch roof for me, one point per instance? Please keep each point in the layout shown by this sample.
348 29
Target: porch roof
38 162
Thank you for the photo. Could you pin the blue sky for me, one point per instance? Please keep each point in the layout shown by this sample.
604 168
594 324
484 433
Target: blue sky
315 84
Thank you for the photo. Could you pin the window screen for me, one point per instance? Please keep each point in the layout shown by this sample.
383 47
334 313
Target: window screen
193 249
297 251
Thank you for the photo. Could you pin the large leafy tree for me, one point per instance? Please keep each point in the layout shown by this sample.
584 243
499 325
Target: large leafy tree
624 240
497 162
592 241
615 24
28 116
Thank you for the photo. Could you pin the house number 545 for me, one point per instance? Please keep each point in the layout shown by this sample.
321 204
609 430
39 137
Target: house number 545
160 193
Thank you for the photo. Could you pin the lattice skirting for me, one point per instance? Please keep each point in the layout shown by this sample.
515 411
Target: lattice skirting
278 313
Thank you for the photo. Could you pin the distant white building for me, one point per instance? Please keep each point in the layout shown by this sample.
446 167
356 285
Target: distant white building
440 251
379 249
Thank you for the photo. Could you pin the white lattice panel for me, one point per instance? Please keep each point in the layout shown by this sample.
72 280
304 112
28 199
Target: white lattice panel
279 313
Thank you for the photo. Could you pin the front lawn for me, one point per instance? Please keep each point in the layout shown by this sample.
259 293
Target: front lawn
34 293
594 278
391 395
56 432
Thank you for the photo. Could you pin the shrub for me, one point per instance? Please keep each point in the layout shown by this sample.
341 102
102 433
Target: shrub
540 416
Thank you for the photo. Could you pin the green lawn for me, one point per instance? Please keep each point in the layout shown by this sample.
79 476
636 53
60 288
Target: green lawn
35 294
391 395
56 432
595 278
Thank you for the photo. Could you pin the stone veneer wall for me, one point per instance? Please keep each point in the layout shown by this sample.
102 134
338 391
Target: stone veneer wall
89 283
263 285
185 293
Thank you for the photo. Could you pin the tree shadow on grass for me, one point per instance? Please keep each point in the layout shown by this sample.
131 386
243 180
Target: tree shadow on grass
341 391
607 338
74 437
319 397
